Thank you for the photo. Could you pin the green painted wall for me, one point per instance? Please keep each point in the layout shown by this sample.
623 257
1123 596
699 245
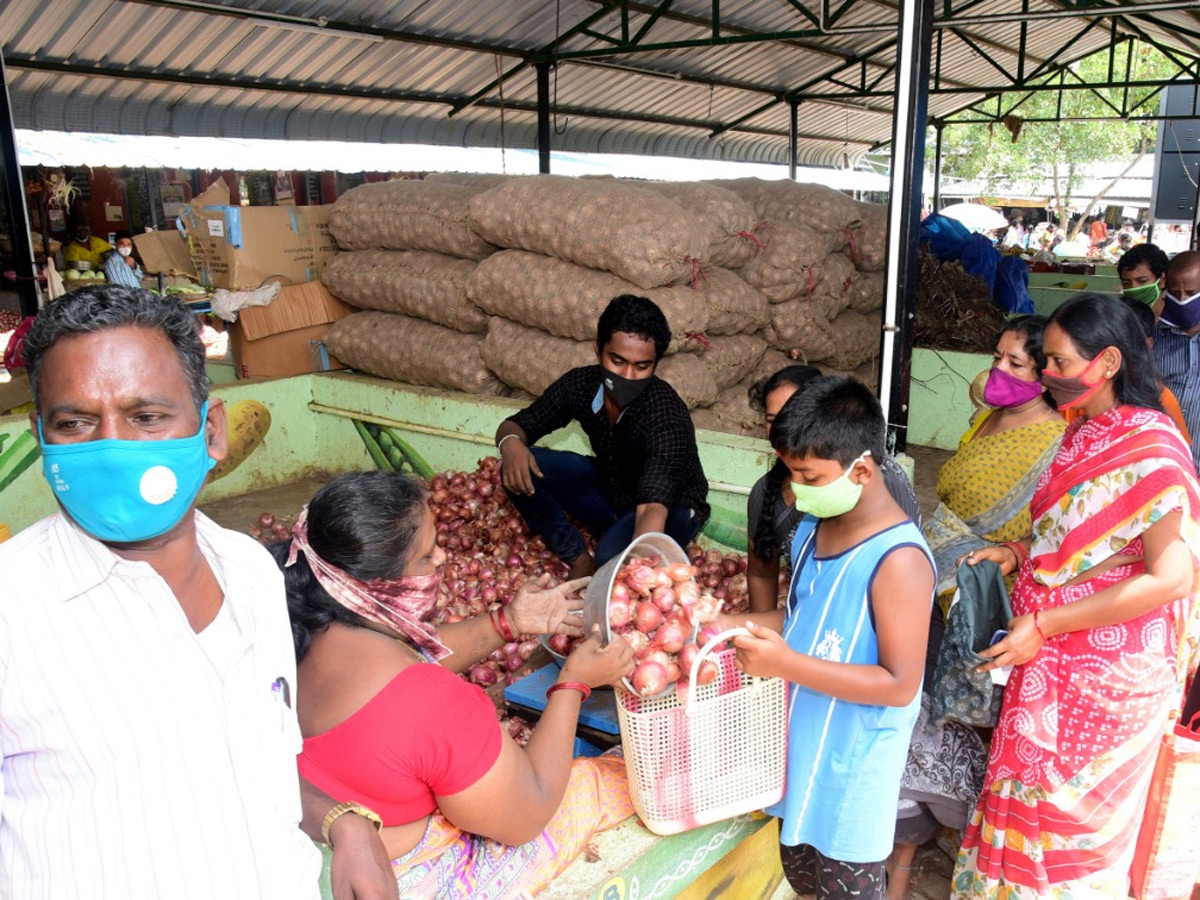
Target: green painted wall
939 402
312 434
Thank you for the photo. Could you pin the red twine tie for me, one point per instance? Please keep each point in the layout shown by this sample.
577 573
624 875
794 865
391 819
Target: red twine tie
849 233
752 235
699 337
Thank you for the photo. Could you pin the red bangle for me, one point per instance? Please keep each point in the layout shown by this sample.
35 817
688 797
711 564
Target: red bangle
1018 551
570 686
1041 633
504 628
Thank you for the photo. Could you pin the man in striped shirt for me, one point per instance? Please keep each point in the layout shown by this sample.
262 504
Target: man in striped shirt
147 729
1177 340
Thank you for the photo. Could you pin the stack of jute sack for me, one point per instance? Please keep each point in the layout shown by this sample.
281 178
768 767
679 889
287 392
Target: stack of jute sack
493 284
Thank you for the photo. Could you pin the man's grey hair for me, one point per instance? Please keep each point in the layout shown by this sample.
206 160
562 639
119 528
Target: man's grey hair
100 308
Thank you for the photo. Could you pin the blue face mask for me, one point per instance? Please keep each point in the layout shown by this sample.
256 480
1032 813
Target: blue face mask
123 491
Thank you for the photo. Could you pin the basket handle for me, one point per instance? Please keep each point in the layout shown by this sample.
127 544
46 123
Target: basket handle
706 650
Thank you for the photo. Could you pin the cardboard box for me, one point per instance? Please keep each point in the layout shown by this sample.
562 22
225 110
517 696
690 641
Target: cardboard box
165 253
14 392
277 340
242 247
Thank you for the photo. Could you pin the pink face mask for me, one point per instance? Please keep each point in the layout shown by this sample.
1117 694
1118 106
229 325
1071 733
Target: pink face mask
400 604
1005 390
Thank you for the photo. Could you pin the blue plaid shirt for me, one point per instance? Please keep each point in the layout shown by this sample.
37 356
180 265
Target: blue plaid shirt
1178 359
117 271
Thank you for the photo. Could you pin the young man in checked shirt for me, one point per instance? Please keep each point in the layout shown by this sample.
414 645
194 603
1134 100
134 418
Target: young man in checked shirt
644 474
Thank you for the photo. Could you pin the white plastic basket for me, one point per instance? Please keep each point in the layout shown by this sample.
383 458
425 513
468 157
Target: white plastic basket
721 754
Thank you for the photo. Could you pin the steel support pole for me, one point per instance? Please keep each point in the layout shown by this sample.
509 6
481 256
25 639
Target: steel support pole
17 216
907 174
935 203
543 116
793 137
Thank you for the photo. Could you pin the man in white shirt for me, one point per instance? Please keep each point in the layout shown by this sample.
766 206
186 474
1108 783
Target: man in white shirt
147 727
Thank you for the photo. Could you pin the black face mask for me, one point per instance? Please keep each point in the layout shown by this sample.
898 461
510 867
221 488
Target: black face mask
623 390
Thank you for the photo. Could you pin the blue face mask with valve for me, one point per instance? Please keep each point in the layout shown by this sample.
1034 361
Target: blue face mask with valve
125 491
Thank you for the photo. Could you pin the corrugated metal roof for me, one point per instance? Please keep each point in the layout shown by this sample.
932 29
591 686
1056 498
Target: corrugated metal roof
425 71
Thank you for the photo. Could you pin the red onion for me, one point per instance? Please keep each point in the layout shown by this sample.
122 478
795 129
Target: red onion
707 673
649 678
527 648
642 579
706 609
664 598
483 674
637 642
670 637
559 643
646 617
266 520
729 567
513 662
620 592
618 613
681 572
687 655
687 593
673 672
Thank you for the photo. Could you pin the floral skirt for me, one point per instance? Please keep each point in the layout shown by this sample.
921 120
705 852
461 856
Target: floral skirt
450 863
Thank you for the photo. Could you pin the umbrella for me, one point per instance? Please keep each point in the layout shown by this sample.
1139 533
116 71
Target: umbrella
975 216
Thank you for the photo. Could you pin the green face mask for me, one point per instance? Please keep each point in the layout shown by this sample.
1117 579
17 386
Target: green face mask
826 501
1147 293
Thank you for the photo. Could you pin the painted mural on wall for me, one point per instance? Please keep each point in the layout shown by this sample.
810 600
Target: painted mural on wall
249 421
17 453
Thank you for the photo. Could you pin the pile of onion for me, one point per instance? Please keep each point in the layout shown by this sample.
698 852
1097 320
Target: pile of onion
490 553
270 529
661 612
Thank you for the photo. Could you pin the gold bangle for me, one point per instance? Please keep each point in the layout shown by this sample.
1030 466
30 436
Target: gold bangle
348 807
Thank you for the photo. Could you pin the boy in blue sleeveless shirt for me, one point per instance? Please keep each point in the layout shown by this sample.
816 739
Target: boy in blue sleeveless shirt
851 641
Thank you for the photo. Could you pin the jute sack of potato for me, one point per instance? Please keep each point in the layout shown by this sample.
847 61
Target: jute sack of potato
566 300
408 215
855 340
785 202
530 359
789 264
637 234
480 181
729 221
430 286
730 359
690 377
800 332
854 289
730 414
411 350
865 293
772 361
734 307
866 237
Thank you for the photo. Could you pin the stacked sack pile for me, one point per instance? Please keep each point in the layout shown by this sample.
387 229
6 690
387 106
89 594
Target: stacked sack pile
493 284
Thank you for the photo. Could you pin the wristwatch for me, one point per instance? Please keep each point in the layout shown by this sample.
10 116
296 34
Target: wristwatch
348 807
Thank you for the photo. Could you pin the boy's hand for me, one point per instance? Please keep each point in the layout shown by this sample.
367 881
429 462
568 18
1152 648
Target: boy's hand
762 652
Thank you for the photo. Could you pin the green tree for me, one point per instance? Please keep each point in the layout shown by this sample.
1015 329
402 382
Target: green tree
1022 150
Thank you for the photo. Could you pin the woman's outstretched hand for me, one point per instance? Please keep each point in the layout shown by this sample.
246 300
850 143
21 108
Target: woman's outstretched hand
595 665
538 609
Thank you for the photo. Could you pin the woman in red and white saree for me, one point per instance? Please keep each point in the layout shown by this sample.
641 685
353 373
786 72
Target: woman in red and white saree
1104 630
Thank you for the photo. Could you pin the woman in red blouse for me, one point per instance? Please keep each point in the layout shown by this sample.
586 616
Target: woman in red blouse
466 811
